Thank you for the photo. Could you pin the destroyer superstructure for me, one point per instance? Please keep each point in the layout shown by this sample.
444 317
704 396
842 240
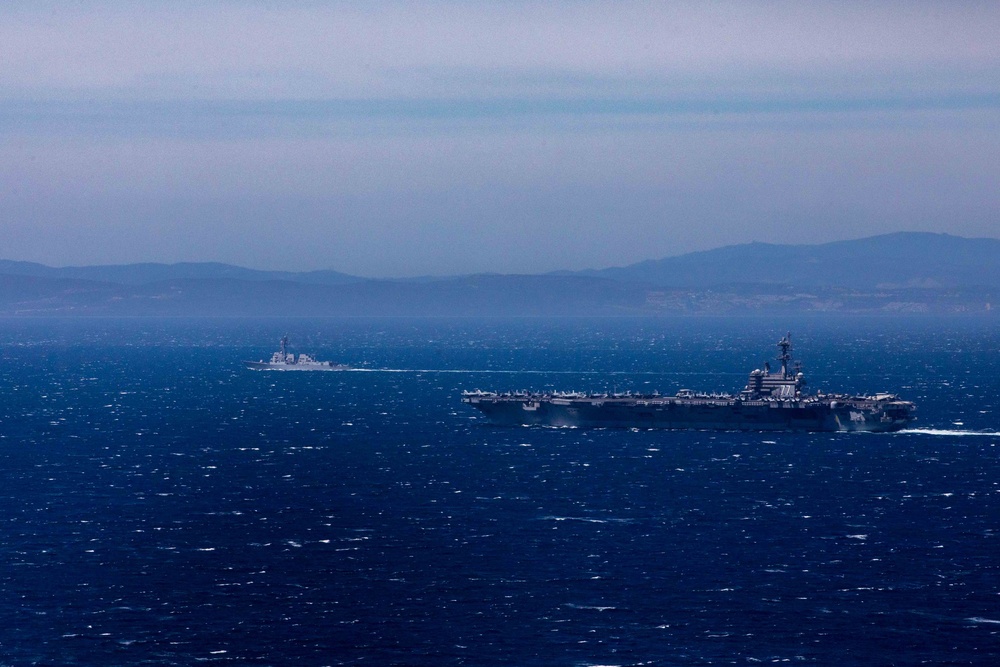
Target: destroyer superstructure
283 360
769 402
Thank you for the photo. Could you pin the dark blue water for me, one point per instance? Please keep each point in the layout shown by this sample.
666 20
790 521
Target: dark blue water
160 505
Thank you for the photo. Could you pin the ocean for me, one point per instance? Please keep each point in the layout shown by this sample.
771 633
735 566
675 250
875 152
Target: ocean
162 505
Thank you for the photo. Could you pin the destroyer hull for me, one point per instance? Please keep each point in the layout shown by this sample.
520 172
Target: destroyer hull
268 366
661 413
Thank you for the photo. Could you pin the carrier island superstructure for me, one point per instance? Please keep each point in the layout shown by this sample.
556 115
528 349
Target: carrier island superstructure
771 401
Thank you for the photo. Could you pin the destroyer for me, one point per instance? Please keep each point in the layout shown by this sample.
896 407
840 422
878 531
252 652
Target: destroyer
770 402
282 360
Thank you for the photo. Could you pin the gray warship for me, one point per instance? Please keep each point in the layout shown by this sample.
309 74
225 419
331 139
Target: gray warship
769 402
283 360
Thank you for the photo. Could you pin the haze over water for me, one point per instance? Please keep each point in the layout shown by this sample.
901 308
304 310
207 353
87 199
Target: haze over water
160 504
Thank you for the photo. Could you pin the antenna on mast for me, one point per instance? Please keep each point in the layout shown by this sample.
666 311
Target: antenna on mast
785 345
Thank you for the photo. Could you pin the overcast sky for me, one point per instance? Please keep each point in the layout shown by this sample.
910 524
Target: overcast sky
400 139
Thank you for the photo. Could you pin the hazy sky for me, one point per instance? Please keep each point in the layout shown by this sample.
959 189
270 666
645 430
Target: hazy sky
405 138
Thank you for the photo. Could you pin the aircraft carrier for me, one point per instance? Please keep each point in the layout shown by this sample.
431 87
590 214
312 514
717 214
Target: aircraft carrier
769 402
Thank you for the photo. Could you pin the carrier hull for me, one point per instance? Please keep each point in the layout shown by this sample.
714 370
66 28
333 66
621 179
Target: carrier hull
677 413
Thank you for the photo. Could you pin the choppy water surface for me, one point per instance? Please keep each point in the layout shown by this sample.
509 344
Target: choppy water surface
161 505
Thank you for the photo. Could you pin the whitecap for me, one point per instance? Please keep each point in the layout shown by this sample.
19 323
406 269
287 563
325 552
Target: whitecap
588 606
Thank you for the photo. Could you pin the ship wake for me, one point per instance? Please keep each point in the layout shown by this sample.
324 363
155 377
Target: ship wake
946 431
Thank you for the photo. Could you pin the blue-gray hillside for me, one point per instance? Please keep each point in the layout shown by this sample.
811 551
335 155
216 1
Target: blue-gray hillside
481 295
146 273
901 260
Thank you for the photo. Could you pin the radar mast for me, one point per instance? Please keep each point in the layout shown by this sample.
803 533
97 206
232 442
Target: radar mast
785 345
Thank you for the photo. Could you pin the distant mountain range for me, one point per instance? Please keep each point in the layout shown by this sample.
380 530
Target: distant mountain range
903 272
905 259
